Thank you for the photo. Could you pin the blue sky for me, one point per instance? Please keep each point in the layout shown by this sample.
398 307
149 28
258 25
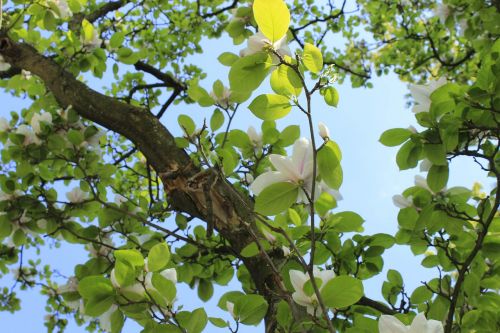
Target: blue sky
371 178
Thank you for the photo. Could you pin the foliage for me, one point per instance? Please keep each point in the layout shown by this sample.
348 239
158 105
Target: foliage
243 210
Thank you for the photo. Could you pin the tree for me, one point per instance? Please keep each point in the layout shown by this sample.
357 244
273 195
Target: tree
268 217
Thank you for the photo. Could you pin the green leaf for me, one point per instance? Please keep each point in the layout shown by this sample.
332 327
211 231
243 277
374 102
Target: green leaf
88 30
437 178
420 295
272 17
197 321
408 156
218 322
117 39
217 120
117 321
346 222
97 306
134 257
124 273
205 290
75 137
395 136
436 153
313 59
289 135
329 165
394 277
250 309
270 107
342 291
276 198
158 257
186 123
247 74
199 94
331 96
285 81
164 286
228 58
95 286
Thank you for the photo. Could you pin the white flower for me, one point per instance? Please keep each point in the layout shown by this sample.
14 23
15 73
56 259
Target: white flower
299 279
421 94
45 117
70 286
4 65
29 136
76 195
62 5
422 182
255 138
298 170
323 187
324 132
119 199
4 125
425 165
286 251
269 236
390 324
105 318
223 100
26 74
230 309
402 202
259 42
442 11
92 44
249 178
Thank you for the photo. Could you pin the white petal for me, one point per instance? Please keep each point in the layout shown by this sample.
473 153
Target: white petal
401 202
170 274
286 167
325 276
390 324
230 309
298 279
266 179
301 299
419 324
105 318
302 153
324 132
434 326
113 279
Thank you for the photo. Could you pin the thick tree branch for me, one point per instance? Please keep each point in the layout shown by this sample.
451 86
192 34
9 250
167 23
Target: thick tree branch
169 80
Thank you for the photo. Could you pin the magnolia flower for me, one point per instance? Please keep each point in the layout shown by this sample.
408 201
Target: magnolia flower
248 178
402 202
299 279
255 138
4 125
324 132
421 94
422 182
442 11
94 43
26 74
390 324
76 195
70 286
230 309
45 117
286 251
298 170
105 318
62 6
223 100
425 165
119 199
259 42
269 236
29 136
4 65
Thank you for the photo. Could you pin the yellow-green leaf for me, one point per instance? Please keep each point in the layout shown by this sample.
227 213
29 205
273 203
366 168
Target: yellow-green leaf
273 18
270 107
313 59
